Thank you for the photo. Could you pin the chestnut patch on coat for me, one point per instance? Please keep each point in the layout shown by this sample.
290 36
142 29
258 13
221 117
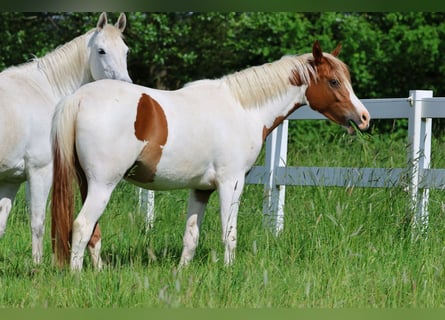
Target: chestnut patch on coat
278 120
150 126
95 237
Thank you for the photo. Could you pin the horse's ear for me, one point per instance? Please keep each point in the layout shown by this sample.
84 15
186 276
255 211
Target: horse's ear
337 50
317 52
102 21
121 22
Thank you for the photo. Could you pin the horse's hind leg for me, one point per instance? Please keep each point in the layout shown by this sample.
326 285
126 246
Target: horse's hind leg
95 243
83 226
8 192
195 212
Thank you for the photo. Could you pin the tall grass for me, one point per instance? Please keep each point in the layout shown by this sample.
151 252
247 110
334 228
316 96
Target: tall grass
339 247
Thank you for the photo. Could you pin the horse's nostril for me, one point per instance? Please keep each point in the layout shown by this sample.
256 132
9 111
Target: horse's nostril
364 117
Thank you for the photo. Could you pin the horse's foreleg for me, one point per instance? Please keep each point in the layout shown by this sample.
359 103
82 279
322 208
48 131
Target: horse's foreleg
229 195
195 212
7 196
39 186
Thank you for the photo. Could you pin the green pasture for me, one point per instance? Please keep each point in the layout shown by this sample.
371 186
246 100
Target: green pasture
340 247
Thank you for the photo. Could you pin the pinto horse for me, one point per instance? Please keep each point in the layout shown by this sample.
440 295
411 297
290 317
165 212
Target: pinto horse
28 97
204 137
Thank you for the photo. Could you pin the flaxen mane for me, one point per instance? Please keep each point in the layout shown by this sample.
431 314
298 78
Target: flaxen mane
255 85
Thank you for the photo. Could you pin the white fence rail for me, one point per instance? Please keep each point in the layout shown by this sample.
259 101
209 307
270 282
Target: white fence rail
419 108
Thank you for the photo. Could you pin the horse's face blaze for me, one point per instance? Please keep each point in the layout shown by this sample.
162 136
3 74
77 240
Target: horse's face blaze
150 126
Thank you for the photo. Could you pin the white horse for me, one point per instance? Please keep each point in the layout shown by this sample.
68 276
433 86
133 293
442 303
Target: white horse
28 96
204 137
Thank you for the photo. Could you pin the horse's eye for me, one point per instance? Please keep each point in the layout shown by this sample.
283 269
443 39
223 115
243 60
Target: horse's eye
334 83
101 51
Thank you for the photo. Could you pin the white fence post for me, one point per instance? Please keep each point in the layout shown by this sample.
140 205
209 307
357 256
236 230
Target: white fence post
276 156
419 139
147 205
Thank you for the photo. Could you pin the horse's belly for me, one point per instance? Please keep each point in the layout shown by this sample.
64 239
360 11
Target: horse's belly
13 136
13 173
177 176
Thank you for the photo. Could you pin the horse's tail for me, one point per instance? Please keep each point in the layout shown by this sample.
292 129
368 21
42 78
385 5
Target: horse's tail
62 203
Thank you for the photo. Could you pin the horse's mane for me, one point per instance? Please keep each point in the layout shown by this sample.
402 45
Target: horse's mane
65 66
254 86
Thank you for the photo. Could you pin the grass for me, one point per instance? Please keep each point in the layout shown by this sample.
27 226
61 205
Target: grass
339 247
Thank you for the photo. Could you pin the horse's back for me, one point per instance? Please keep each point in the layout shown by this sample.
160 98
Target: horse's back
195 130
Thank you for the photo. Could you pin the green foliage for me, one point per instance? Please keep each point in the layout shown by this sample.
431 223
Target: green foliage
170 49
388 53
26 35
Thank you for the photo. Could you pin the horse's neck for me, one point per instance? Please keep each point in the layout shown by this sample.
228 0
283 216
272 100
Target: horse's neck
268 89
66 68
275 111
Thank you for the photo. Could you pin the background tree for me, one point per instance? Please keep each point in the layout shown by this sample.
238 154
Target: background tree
388 53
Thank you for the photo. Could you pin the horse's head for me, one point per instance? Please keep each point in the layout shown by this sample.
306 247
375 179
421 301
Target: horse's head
331 93
108 51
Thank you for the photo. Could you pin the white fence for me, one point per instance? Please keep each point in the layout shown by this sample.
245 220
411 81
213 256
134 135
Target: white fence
419 108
